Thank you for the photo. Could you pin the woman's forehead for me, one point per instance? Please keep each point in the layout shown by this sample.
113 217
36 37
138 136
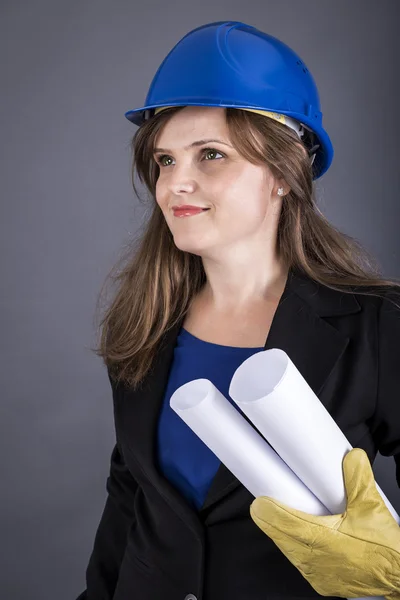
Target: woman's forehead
194 121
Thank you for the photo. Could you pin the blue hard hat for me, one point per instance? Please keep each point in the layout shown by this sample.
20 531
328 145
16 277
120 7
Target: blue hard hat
231 64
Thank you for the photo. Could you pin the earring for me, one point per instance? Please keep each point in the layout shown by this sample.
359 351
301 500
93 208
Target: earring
280 191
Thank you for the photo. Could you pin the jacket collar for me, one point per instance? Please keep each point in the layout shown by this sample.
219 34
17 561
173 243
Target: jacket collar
298 328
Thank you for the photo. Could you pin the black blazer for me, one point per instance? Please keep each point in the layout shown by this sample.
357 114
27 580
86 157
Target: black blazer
152 545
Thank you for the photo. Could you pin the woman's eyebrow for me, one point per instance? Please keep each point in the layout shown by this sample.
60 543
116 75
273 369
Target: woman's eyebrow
197 143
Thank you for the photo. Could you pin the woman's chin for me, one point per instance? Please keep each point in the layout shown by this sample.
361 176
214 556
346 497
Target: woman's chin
191 246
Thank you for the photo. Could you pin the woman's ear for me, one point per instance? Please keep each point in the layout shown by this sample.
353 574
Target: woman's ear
280 184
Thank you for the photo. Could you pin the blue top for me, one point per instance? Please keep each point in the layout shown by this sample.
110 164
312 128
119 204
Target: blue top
182 456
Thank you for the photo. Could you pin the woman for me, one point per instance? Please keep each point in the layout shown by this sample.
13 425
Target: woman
236 258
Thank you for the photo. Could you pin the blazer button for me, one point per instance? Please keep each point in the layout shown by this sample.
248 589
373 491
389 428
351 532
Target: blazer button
190 597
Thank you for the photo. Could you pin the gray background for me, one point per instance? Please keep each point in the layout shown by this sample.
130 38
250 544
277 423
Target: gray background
69 72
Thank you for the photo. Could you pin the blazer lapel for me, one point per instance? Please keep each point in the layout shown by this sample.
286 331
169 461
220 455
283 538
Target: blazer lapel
298 328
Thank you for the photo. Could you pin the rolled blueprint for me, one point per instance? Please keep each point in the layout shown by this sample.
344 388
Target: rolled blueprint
273 394
240 447
249 457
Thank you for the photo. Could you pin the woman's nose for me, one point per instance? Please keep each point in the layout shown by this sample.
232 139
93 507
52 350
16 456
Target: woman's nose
182 186
182 180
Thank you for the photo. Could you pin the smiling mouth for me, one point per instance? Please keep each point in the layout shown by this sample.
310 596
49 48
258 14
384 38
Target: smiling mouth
187 212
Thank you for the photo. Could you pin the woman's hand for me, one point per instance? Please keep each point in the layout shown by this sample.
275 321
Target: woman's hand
353 554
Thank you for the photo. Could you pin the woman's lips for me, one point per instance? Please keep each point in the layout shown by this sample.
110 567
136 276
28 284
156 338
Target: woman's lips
188 212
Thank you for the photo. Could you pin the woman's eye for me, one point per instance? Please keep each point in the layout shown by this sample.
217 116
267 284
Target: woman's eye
211 151
205 152
161 160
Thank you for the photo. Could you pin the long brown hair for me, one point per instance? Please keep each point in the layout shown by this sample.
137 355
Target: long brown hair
156 281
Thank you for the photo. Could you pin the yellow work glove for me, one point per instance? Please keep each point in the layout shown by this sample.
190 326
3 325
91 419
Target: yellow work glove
349 555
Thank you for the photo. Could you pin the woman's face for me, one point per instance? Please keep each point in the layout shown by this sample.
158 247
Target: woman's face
212 175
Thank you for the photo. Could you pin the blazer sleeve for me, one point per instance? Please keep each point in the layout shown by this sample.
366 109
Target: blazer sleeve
386 420
112 532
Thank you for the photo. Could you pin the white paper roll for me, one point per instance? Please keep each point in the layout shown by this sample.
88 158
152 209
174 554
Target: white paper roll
240 447
273 394
297 425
